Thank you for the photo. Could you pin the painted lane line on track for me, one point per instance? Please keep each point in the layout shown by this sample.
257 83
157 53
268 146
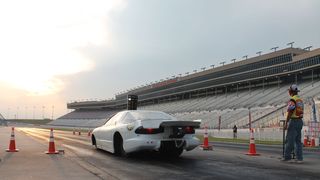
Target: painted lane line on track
82 151
35 135
78 141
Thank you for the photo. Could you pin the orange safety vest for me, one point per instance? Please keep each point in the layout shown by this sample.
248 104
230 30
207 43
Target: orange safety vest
298 111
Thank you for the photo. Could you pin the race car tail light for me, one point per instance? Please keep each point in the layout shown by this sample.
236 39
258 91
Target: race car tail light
141 130
189 130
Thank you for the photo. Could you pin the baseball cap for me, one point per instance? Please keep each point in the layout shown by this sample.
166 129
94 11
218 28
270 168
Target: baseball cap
294 88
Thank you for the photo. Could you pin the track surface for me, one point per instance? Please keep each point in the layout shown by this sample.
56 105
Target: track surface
82 161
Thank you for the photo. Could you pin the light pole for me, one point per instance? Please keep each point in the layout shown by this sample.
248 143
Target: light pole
17 114
291 44
222 63
274 48
8 114
26 112
246 57
43 112
33 113
259 53
52 112
307 48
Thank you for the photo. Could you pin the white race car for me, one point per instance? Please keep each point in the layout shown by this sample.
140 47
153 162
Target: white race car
136 130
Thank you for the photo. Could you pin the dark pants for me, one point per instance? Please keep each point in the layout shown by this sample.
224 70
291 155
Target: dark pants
293 139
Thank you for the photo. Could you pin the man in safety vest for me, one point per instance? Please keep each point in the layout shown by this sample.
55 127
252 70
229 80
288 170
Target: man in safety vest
293 125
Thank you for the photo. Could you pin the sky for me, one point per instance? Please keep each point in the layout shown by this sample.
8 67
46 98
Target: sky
56 51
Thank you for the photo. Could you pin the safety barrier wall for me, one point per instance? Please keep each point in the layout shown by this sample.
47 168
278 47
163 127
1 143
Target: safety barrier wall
265 134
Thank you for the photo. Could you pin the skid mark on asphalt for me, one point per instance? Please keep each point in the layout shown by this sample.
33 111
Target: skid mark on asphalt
74 140
75 153
79 150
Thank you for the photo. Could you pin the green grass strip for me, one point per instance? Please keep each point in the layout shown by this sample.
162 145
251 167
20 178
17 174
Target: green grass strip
231 140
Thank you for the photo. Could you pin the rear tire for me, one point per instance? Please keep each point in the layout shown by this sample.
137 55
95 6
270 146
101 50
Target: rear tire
118 145
94 142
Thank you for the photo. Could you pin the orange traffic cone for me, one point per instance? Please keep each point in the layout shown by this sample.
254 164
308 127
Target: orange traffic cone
79 133
252 146
313 142
52 149
305 139
205 145
89 133
12 145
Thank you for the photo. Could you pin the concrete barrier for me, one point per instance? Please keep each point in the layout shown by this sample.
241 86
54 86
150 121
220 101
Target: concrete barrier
265 134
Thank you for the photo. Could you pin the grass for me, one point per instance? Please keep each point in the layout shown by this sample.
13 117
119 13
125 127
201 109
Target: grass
231 140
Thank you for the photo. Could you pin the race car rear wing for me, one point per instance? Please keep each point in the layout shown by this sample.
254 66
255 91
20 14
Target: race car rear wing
193 124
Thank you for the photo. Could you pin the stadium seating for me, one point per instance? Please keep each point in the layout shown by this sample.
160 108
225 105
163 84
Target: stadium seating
267 107
84 118
257 85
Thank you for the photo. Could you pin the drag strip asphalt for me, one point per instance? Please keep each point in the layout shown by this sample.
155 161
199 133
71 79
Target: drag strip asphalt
226 161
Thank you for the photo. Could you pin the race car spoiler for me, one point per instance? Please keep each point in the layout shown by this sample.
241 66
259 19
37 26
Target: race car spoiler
180 123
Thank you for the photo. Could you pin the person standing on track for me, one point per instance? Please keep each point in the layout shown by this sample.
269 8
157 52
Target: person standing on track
235 129
293 125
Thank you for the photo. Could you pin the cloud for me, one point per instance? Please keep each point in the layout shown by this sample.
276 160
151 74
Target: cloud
41 40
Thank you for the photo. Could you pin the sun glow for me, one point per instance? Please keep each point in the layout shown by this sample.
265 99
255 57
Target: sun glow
41 40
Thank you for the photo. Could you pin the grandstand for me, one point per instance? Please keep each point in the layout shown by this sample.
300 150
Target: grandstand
257 85
3 121
84 118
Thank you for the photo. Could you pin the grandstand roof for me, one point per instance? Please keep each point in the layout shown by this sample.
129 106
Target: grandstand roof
294 51
307 55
